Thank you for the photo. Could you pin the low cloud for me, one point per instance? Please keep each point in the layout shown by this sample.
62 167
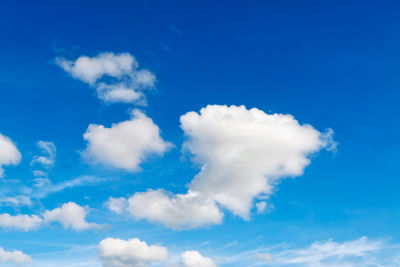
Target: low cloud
15 256
124 145
9 154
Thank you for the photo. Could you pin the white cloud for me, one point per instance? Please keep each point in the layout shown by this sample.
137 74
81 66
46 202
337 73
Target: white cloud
131 253
15 256
264 257
20 222
195 259
49 150
117 205
329 252
181 211
19 200
70 215
9 154
127 79
126 144
243 154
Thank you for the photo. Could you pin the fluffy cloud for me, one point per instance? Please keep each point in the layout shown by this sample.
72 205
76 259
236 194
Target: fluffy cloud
69 215
243 154
49 150
127 81
181 211
117 205
131 253
9 154
20 222
15 256
126 144
195 259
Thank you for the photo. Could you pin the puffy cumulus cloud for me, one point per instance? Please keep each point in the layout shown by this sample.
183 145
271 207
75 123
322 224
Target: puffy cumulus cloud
126 144
130 253
181 211
49 154
9 154
15 256
243 154
352 253
195 259
126 81
70 215
20 222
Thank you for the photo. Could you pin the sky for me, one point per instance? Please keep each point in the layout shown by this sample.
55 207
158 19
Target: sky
199 133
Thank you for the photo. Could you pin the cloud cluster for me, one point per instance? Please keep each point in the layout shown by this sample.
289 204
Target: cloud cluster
116 77
70 215
124 145
15 256
9 154
115 252
242 155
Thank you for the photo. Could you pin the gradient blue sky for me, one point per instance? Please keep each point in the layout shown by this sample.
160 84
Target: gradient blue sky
331 64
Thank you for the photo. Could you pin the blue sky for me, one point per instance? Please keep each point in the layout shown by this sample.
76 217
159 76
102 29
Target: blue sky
137 70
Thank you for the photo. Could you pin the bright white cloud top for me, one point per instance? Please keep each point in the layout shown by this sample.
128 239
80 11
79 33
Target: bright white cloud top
9 154
242 153
70 215
130 253
124 145
15 256
195 259
128 80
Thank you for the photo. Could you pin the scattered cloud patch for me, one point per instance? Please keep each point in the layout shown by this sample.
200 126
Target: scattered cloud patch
48 158
9 154
116 77
71 216
130 253
15 256
181 211
20 222
195 259
124 145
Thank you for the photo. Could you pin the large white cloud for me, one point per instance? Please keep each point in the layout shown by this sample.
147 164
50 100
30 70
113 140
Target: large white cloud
242 153
130 253
15 256
127 80
70 215
126 144
9 154
195 259
20 222
181 211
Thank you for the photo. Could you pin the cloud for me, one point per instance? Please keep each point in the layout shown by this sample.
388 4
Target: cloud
19 200
126 144
330 253
15 256
9 154
242 154
117 205
20 222
181 211
70 215
131 253
49 151
195 259
125 81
